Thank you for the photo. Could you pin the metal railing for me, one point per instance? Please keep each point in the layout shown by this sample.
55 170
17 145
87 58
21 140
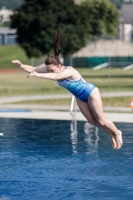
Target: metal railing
73 114
73 107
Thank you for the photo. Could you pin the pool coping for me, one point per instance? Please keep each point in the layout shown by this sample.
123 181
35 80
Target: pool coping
65 115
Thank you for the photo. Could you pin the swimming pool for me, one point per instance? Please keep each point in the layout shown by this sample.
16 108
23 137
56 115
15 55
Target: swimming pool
47 159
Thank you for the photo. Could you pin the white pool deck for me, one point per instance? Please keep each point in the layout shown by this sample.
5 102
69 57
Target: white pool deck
64 115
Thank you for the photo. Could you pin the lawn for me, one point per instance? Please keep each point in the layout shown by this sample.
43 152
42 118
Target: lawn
16 83
113 101
14 52
19 84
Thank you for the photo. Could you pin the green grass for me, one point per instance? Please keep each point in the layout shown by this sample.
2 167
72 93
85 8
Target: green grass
14 52
5 24
54 102
18 84
115 80
113 101
117 101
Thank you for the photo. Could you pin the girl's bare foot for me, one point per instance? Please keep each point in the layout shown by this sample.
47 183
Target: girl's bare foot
118 140
113 142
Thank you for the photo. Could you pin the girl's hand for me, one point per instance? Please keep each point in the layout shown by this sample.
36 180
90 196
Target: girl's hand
17 63
33 73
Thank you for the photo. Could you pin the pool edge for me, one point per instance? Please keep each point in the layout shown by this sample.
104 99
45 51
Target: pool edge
57 115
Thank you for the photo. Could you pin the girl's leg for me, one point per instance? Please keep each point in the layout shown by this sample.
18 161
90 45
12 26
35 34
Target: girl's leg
95 104
86 111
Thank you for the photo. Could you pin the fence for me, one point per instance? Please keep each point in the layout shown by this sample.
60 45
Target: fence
101 50
95 61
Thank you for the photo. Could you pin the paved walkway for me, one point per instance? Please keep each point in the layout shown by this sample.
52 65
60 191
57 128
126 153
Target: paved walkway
33 97
58 112
57 108
11 99
57 96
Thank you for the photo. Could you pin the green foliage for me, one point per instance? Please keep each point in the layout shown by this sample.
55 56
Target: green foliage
102 16
4 24
37 20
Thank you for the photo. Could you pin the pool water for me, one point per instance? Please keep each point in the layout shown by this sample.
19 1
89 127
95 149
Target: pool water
62 160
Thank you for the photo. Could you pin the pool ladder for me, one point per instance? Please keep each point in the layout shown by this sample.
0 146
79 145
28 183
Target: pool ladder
73 108
73 114
87 126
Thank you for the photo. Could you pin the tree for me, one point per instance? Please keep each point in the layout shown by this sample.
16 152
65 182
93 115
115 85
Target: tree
36 22
102 16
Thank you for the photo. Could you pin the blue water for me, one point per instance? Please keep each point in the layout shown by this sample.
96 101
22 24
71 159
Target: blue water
43 159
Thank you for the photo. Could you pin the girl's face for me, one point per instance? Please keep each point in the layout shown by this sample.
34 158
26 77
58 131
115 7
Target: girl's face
54 68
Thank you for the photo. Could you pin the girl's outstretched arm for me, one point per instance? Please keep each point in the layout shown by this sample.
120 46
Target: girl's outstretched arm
26 68
54 76
29 68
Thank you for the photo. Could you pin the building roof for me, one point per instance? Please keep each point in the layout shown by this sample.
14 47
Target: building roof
126 13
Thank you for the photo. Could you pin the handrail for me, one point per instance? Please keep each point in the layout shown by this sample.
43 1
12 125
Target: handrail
72 106
74 122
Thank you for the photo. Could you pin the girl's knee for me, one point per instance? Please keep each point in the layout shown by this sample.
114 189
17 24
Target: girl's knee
101 122
92 122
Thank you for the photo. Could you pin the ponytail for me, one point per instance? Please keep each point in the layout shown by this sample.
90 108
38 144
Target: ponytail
58 41
57 46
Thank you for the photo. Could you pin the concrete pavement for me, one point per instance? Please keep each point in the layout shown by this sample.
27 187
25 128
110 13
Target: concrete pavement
33 97
58 107
64 115
57 96
58 112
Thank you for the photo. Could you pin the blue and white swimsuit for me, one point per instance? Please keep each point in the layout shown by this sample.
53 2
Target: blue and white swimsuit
79 88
